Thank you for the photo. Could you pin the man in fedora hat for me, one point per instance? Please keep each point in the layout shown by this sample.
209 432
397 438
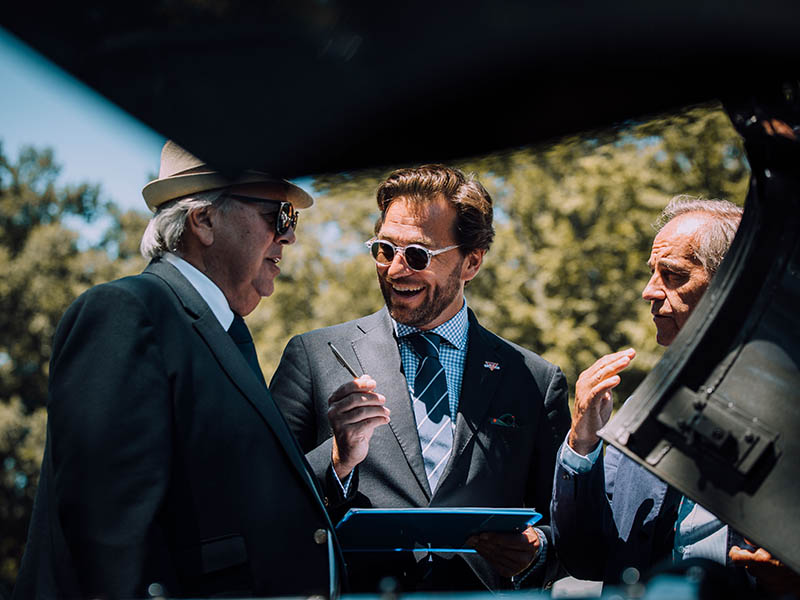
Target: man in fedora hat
167 464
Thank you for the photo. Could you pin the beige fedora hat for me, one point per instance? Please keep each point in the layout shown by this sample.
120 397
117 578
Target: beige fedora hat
182 174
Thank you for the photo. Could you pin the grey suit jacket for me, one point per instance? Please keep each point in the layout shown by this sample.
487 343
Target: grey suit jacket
490 466
166 460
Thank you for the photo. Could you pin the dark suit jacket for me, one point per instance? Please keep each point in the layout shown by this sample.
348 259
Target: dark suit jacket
490 466
166 459
615 516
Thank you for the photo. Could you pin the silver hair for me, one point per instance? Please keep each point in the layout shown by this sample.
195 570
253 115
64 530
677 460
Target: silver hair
165 229
711 243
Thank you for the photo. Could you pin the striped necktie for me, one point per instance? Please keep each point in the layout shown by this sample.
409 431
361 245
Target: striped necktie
431 406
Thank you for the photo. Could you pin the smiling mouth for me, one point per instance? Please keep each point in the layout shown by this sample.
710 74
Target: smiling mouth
406 291
275 260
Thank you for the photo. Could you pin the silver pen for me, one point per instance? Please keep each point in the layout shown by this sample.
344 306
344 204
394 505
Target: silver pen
342 361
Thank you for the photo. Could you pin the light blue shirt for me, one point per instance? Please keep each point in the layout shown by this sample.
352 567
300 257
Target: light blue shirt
698 533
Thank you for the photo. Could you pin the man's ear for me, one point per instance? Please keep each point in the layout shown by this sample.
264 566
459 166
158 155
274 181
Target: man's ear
200 223
472 264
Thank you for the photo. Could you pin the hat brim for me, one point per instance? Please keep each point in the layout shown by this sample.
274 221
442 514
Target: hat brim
159 191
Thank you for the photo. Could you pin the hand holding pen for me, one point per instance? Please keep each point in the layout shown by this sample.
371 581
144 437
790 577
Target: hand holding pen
354 411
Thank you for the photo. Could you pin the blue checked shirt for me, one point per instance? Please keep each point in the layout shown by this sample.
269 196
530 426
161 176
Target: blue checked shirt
452 354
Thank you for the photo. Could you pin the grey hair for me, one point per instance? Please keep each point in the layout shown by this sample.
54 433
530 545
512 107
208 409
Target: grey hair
711 243
165 229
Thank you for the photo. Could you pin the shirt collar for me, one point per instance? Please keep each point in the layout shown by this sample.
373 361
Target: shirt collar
207 289
454 330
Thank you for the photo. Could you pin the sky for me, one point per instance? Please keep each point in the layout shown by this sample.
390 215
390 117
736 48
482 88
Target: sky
93 139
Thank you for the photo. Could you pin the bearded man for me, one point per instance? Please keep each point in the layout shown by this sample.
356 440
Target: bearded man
488 437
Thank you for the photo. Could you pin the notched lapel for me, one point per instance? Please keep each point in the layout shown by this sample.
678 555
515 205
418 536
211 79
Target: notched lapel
379 357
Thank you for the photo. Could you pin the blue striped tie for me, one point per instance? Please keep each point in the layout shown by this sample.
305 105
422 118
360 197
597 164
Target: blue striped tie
431 406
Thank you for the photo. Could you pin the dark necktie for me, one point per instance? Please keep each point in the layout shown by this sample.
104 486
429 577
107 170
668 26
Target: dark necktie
431 406
244 341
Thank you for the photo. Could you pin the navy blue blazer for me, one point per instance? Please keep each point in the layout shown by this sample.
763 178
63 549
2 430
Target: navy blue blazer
617 515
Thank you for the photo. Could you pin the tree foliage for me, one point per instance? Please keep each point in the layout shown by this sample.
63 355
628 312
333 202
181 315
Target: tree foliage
44 268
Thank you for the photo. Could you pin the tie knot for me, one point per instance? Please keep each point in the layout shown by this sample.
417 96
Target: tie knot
239 331
425 344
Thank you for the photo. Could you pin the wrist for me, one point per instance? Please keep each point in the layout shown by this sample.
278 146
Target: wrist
582 444
340 466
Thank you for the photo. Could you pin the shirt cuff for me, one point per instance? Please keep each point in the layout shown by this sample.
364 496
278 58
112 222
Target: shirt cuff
578 463
345 485
541 559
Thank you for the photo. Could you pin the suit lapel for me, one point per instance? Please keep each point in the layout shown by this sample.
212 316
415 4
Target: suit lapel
478 388
378 355
238 371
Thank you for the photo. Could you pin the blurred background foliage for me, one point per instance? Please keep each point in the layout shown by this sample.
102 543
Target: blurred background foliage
564 276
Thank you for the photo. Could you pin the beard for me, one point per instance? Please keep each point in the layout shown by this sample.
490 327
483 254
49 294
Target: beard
436 300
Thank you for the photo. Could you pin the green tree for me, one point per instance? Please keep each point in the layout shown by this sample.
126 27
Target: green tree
44 268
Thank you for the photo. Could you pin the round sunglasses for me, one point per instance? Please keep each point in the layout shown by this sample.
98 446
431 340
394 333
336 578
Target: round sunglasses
417 257
286 215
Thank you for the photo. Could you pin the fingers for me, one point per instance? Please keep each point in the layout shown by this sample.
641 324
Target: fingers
358 407
354 411
602 376
607 367
508 553
750 557
365 383
523 541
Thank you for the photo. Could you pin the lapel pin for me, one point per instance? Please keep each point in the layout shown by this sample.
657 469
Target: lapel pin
492 366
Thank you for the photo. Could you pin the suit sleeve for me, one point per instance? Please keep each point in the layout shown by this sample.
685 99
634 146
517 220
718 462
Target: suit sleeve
552 429
581 515
292 388
109 418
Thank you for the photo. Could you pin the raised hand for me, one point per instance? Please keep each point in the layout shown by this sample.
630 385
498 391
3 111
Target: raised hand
593 402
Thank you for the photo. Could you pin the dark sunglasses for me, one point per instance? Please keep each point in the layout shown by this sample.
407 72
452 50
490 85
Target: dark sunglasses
417 257
286 215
